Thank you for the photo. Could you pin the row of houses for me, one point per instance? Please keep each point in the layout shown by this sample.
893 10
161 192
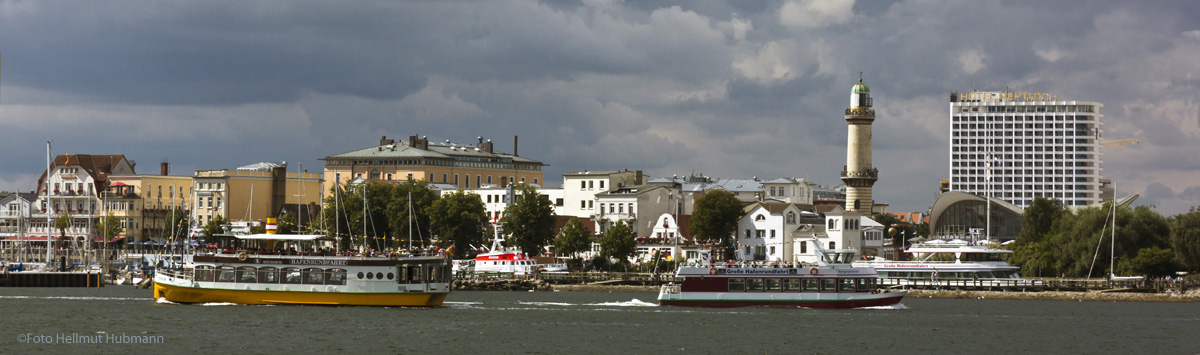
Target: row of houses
783 215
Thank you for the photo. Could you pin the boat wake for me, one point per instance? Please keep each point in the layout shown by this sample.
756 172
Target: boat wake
220 304
633 303
895 306
162 300
546 303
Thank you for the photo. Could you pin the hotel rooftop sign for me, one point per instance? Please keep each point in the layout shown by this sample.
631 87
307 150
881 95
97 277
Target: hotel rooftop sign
1006 96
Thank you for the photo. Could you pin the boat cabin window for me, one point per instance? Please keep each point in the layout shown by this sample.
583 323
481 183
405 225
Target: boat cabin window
828 285
204 273
811 285
247 274
864 284
314 276
290 275
846 285
337 277
737 285
268 275
754 284
772 284
434 272
225 274
791 285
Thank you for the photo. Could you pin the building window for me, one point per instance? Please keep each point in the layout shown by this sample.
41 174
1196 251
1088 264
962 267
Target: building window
791 218
832 245
804 247
374 174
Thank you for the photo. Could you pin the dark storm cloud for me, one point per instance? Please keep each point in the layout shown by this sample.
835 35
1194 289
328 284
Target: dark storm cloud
734 89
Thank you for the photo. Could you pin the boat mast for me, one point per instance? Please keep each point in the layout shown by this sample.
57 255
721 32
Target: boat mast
46 188
1112 252
410 217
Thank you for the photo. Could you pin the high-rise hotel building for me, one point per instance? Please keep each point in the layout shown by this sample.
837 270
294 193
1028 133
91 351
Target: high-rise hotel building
1032 143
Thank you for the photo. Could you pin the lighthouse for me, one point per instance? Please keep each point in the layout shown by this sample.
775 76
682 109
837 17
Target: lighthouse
858 174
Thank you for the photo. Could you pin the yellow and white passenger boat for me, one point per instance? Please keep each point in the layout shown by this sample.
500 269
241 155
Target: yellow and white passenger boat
290 269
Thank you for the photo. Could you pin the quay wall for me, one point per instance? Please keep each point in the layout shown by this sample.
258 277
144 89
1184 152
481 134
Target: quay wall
1189 296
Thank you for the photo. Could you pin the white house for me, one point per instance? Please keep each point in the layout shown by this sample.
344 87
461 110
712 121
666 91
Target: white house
767 231
14 212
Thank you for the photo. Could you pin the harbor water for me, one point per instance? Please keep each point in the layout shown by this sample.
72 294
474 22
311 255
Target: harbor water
121 320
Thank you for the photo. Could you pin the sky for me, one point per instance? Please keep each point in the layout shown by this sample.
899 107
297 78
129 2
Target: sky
732 89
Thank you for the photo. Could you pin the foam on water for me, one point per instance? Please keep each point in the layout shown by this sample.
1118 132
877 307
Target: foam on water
895 306
633 303
547 303
219 304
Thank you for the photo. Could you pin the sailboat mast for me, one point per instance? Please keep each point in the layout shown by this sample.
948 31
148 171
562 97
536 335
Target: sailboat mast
410 217
1112 252
46 189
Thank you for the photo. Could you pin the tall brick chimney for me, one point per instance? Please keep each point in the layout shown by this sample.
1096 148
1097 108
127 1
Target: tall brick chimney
164 168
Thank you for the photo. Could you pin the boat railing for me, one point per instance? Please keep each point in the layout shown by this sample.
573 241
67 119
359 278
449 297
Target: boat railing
173 274
671 289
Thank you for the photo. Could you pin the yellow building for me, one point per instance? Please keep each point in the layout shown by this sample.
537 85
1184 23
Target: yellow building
465 166
252 193
145 204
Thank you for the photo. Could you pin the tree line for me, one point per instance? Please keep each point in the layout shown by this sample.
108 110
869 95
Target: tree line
1055 241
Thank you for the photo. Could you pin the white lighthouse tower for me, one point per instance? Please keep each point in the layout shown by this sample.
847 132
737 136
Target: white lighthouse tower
858 174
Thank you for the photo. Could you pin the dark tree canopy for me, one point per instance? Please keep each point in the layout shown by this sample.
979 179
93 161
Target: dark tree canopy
398 212
716 216
573 239
529 221
459 220
1038 219
1185 239
618 243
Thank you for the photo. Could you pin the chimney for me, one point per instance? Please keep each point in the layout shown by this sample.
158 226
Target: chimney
515 140
385 141
164 168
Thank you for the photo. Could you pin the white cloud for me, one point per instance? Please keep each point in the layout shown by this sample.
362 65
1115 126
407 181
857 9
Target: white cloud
815 13
1050 54
972 61
736 27
1193 34
769 64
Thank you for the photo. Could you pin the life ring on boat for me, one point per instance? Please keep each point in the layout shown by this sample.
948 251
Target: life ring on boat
712 271
812 271
241 256
393 256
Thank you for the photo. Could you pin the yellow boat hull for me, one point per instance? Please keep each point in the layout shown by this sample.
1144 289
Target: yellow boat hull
181 294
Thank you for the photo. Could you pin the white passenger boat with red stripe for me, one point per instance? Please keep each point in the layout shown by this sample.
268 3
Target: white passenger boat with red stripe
832 283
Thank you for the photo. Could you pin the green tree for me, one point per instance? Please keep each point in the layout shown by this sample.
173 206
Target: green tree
715 219
343 220
63 222
618 243
350 224
178 223
1151 262
459 220
398 212
109 227
1034 259
529 221
1185 239
573 239
1038 219
214 227
286 223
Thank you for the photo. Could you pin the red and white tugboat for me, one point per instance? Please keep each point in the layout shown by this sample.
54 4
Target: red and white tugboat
831 283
